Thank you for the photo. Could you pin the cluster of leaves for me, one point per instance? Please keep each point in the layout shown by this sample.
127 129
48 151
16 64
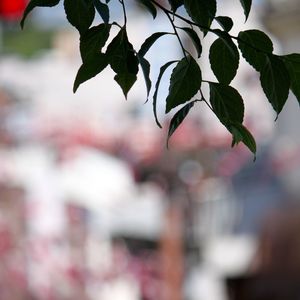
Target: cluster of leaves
278 74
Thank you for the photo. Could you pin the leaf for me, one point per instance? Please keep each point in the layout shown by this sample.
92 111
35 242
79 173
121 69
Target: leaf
175 4
90 69
184 84
201 12
93 40
149 6
227 103
247 7
150 41
123 60
178 118
125 80
292 63
225 22
255 45
161 72
145 65
80 13
241 134
121 54
36 3
195 39
274 79
224 59
102 10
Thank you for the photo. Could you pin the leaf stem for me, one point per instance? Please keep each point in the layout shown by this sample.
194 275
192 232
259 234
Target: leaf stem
205 101
181 17
176 33
124 12
201 26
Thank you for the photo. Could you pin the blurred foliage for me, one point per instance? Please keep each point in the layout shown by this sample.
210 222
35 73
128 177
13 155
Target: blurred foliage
26 43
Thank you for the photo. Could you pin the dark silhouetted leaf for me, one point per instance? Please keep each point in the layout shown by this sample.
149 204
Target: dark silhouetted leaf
225 22
125 81
241 134
102 10
161 73
292 62
90 69
274 79
149 6
80 13
195 39
121 54
184 84
224 59
34 3
254 45
93 40
150 41
178 118
246 6
201 12
175 4
123 60
227 103
145 65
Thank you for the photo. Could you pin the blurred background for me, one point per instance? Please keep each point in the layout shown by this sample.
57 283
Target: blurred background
93 206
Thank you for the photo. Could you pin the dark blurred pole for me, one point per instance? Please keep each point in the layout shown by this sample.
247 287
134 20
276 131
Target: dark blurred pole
77 235
13 282
172 255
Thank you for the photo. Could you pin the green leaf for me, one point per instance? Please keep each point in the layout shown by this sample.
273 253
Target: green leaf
80 13
123 60
102 10
121 54
241 134
149 6
178 118
161 73
292 63
145 65
184 84
195 39
90 69
255 45
226 103
201 12
93 40
274 79
125 80
225 22
224 59
246 6
150 41
36 3
175 4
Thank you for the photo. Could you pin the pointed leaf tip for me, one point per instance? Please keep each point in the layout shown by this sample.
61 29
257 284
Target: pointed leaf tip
241 134
36 3
246 4
160 75
178 119
274 79
90 69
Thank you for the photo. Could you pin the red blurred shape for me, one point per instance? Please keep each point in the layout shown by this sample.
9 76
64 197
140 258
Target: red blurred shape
12 10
